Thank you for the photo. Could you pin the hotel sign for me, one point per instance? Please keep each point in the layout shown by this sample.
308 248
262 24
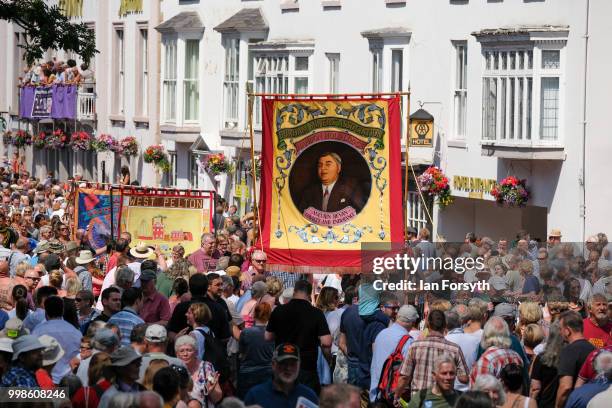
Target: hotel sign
473 187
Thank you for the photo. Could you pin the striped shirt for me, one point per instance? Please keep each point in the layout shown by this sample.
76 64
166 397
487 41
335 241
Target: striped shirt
126 320
419 364
493 360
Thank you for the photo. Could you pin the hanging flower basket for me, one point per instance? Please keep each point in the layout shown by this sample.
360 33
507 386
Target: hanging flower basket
7 138
128 146
104 143
157 156
21 138
434 184
216 164
81 140
57 140
39 140
511 191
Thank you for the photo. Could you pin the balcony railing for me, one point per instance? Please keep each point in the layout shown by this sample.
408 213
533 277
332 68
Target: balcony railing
86 106
58 102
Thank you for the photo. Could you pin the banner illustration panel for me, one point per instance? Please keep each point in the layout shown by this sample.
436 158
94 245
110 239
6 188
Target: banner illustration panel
167 220
93 214
331 181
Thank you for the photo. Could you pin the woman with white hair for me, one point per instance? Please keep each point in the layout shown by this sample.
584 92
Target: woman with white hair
492 386
206 388
496 342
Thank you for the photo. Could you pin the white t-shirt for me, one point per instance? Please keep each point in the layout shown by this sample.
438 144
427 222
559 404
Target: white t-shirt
109 280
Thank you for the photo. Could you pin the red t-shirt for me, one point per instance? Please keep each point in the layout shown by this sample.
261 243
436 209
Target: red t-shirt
597 336
587 372
89 397
44 379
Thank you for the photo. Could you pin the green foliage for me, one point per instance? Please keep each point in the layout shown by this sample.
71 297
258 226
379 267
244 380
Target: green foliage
46 27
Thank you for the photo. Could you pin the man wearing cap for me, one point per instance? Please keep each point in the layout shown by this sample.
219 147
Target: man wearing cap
156 343
65 333
27 358
282 390
301 323
128 317
85 262
105 340
386 342
155 307
125 363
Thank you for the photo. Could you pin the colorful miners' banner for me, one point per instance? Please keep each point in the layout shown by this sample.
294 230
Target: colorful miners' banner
167 217
331 181
93 208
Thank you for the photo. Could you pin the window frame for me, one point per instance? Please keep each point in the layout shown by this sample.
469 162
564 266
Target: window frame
333 71
287 76
180 80
118 96
231 81
531 128
460 53
142 70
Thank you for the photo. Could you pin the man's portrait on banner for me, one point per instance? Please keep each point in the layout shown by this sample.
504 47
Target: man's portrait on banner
330 177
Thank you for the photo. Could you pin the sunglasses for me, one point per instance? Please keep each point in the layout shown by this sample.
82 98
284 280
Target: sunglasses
392 307
259 260
33 278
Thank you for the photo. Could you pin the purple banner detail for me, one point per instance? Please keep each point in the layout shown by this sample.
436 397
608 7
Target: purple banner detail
57 102
329 218
57 108
26 102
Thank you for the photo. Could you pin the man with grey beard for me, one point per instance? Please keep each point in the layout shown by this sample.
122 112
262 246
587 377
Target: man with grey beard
283 390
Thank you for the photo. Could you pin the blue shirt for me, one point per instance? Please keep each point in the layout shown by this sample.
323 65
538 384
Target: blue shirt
580 397
268 396
243 299
68 337
126 320
361 331
34 319
18 376
385 344
532 284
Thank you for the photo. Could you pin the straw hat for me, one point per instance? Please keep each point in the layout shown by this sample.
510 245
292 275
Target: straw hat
555 232
84 257
141 251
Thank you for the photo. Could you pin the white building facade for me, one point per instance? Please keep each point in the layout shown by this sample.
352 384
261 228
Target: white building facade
516 87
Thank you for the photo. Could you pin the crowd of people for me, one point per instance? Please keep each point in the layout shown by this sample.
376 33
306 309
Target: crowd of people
56 72
127 326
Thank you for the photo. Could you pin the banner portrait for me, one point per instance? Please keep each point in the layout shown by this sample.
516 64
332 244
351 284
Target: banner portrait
331 181
93 214
167 218
43 103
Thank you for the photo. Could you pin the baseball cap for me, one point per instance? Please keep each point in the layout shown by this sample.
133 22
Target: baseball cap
286 351
156 333
124 356
407 314
147 275
106 338
505 310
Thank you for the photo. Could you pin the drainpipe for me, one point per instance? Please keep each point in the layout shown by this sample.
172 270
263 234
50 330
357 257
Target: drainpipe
582 176
156 19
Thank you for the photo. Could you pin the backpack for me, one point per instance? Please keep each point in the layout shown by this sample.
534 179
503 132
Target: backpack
390 372
215 353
